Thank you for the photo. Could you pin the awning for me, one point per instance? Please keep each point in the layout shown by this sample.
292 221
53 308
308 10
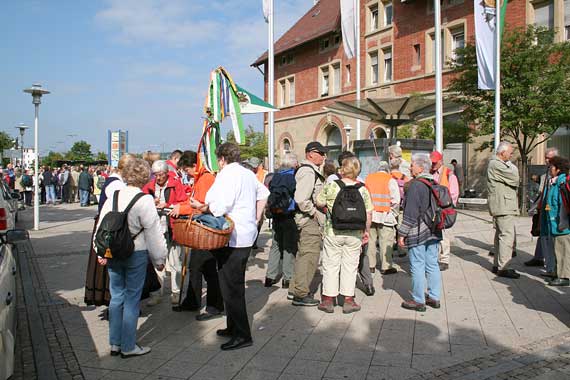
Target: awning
394 111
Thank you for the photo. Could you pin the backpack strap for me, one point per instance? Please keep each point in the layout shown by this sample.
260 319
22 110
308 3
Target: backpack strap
116 201
340 183
133 201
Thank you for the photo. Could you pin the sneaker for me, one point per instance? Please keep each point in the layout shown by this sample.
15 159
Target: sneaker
350 306
305 301
413 305
115 350
326 305
138 351
175 298
495 269
290 296
432 303
559 282
153 300
269 282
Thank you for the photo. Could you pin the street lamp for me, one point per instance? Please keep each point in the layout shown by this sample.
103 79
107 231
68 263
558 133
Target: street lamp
36 91
347 129
22 129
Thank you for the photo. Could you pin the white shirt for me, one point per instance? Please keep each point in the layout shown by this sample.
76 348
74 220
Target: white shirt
235 192
114 186
143 216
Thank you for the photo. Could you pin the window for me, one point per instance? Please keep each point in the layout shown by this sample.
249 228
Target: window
567 20
282 93
334 136
417 55
374 18
387 53
291 83
374 68
544 15
324 44
347 76
387 14
336 39
457 42
286 145
336 79
325 81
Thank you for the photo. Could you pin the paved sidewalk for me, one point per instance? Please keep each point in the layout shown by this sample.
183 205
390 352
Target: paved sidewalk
488 327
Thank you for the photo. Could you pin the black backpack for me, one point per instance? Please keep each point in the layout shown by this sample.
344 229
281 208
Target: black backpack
440 213
349 211
280 201
113 238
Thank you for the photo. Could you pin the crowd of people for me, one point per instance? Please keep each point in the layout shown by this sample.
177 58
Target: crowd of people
324 218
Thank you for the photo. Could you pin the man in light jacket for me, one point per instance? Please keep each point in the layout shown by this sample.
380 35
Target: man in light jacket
502 183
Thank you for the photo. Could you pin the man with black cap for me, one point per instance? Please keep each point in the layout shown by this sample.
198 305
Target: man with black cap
310 221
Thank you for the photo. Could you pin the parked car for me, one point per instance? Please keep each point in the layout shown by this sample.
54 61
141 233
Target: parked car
9 204
8 272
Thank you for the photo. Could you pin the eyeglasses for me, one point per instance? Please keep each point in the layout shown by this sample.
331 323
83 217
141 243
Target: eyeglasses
321 153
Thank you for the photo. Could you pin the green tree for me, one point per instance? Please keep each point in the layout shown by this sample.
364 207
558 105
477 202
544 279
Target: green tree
101 156
425 130
405 132
51 158
255 144
535 88
80 151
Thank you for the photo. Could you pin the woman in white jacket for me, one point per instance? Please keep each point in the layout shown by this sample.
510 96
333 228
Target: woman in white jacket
126 277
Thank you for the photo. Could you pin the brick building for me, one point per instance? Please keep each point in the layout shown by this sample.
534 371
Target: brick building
397 45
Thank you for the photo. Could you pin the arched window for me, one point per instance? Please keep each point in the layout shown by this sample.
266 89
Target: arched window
286 145
333 136
379 133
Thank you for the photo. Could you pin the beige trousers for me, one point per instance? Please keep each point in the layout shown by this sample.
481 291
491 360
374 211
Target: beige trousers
174 266
307 258
341 255
504 240
385 235
562 252
445 248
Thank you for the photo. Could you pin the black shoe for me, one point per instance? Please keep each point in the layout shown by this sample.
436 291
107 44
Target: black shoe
495 269
491 253
236 344
372 270
185 307
285 284
269 282
224 332
443 267
508 273
369 290
305 301
559 282
534 262
389 271
207 316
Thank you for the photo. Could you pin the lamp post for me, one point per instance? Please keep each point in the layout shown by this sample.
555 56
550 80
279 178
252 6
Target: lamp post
22 129
347 129
36 91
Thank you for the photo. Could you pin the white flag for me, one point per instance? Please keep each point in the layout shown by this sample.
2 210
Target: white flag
348 26
485 22
266 10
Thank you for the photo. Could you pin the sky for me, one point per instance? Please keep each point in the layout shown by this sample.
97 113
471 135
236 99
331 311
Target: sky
136 65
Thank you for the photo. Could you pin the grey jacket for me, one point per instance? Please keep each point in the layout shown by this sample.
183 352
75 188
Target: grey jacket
502 184
309 185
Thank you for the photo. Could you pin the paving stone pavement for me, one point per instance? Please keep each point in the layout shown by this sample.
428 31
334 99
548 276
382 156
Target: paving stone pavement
488 327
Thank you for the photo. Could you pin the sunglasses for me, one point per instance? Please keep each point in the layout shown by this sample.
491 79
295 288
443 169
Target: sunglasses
321 153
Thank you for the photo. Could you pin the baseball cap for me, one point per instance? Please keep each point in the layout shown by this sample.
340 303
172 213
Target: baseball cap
435 156
316 146
254 161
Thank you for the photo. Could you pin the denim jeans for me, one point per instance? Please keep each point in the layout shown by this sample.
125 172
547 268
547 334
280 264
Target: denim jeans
423 263
126 281
50 194
84 197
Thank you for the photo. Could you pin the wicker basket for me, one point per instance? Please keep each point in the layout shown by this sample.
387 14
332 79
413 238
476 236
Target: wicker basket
197 236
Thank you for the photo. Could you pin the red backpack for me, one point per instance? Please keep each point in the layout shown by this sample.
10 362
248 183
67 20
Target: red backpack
440 214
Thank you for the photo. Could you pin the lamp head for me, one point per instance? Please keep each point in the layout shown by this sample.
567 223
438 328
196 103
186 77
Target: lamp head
37 91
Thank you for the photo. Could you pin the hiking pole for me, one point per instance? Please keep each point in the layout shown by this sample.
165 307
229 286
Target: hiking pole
183 278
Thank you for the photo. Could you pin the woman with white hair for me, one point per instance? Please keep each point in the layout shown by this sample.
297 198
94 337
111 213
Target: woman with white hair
421 241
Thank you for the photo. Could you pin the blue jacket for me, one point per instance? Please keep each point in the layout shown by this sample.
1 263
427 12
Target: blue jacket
556 218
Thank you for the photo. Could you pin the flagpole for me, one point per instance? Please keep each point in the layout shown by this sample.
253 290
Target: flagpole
357 23
438 78
271 119
497 74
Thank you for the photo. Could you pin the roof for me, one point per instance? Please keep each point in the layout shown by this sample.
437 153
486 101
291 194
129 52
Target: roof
321 19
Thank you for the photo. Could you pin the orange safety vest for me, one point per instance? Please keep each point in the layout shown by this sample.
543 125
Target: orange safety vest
444 177
377 184
261 173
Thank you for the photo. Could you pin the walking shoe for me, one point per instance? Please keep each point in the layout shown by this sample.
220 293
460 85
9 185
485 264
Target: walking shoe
207 316
508 273
185 307
559 282
115 350
495 269
269 282
443 267
432 303
549 274
224 332
369 290
388 271
290 296
413 305
350 306
236 343
305 301
138 351
326 304
534 262
491 253
285 284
